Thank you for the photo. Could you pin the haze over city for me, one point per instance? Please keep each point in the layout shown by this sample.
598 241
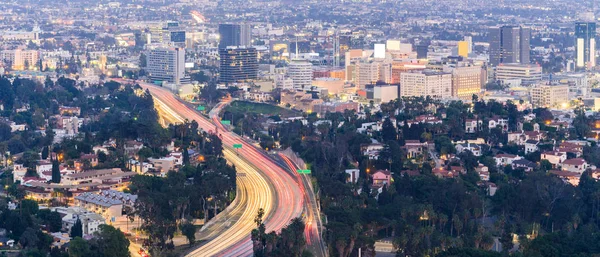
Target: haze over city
137 128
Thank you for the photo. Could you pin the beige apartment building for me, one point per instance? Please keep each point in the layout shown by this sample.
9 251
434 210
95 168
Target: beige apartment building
426 83
550 95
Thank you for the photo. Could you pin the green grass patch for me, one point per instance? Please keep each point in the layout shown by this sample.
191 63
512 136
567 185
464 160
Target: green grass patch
260 108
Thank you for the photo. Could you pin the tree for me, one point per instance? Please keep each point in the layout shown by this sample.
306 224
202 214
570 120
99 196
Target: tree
45 151
29 207
189 231
77 229
51 219
5 131
388 131
78 247
110 242
186 156
55 172
29 238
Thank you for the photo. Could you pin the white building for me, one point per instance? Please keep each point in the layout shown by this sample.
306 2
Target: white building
167 65
426 83
527 73
301 73
90 221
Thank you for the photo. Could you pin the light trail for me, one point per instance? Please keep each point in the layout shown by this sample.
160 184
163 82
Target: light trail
285 198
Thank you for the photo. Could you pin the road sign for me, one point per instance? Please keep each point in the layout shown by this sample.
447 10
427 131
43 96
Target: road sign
304 171
237 146
201 108
226 122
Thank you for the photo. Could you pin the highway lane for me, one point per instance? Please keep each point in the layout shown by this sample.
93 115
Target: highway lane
240 231
312 214
253 193
287 191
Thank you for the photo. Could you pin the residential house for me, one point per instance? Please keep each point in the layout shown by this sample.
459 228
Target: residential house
444 173
554 157
43 166
353 175
578 165
497 121
372 150
531 146
474 148
505 159
472 125
483 171
414 148
524 164
567 176
381 178
571 148
132 147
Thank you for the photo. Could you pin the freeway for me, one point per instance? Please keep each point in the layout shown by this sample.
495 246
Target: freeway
253 192
314 226
286 200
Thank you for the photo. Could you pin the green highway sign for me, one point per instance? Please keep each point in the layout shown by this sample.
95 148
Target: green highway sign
226 122
200 108
237 146
304 171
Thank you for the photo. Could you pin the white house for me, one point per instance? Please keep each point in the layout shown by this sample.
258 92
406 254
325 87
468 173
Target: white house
554 157
578 165
531 146
505 159
472 125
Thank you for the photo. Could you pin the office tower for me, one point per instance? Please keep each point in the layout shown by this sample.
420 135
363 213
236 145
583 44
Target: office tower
235 35
301 73
469 40
167 65
509 44
463 49
238 64
426 83
585 34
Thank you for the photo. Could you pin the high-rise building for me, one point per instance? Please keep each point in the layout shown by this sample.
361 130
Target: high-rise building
238 64
167 65
366 72
426 83
585 34
469 40
235 35
301 73
509 44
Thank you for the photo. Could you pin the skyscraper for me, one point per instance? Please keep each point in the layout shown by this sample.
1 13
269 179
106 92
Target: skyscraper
238 64
509 44
167 65
585 34
235 35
